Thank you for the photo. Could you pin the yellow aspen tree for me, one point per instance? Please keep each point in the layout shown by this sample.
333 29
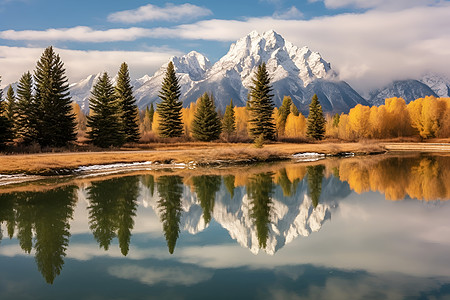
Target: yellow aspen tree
295 126
444 131
359 120
398 117
241 114
155 123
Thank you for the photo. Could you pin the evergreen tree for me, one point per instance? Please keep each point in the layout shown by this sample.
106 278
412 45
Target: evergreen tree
55 119
206 187
316 120
170 190
54 210
206 124
104 120
10 104
294 110
26 122
315 177
124 94
229 120
336 119
283 113
261 105
260 190
151 113
169 110
6 133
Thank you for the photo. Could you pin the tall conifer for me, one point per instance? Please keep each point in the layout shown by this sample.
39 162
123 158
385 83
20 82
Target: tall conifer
10 104
56 121
316 120
229 120
104 121
124 94
26 122
261 106
169 110
206 124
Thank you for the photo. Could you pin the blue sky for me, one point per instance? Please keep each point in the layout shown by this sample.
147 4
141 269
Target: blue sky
369 42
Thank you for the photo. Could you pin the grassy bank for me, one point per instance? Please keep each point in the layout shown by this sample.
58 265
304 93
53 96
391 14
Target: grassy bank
201 153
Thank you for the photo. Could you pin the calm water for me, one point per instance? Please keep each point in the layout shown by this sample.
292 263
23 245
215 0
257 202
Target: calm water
354 228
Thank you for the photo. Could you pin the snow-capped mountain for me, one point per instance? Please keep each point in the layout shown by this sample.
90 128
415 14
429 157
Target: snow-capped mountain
190 69
438 83
81 91
290 217
407 89
296 72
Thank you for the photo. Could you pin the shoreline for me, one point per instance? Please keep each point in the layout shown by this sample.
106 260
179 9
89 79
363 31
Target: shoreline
190 156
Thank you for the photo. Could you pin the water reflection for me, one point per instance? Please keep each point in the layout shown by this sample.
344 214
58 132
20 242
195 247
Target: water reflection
48 215
265 208
112 208
170 190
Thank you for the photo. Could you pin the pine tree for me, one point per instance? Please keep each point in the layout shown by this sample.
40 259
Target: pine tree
206 124
5 124
26 121
104 120
229 120
316 120
124 94
294 110
261 106
56 121
10 104
169 110
283 112
151 113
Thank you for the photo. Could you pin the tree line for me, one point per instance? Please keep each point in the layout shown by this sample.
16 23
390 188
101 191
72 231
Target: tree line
42 113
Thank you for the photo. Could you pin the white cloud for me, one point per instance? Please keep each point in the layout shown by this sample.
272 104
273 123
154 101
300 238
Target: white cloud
171 276
368 49
79 34
291 14
151 12
14 61
381 4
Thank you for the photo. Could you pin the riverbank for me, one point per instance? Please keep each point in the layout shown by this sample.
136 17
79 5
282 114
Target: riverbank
192 154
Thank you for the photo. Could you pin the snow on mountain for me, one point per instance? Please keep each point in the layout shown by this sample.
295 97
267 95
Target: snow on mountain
438 83
406 89
290 217
190 68
294 72
81 91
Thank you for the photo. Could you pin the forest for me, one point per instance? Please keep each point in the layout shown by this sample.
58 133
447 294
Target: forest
43 100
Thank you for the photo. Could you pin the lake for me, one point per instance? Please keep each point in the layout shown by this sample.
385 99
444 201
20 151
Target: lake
374 227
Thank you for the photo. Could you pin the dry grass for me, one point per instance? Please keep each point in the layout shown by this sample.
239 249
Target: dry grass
178 152
175 152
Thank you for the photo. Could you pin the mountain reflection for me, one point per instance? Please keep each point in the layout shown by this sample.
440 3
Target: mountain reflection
262 208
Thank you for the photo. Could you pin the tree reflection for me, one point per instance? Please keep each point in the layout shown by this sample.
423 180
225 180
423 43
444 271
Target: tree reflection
53 210
149 182
315 176
289 187
206 188
112 208
228 181
170 190
422 177
48 214
260 189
